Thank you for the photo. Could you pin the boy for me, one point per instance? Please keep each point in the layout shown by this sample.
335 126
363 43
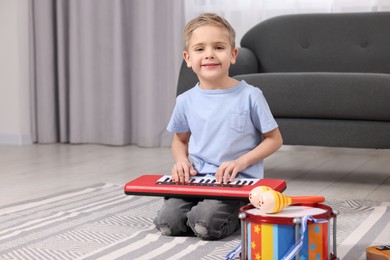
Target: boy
218 126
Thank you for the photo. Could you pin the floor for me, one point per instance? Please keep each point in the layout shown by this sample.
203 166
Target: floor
33 171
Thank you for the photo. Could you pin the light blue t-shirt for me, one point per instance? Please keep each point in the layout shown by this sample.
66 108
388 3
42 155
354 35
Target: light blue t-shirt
224 125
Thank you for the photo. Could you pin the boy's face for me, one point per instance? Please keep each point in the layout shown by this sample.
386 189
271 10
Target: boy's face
210 53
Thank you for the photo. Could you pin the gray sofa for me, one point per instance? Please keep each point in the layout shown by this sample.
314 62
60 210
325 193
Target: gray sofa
326 77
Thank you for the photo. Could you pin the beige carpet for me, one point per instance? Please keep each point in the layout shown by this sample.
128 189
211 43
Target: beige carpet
100 222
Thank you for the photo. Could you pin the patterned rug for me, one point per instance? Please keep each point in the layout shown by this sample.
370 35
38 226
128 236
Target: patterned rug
100 222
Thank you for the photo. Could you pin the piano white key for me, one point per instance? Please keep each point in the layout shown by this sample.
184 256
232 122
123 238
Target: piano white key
210 180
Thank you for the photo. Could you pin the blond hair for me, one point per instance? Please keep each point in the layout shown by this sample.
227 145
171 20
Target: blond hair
208 19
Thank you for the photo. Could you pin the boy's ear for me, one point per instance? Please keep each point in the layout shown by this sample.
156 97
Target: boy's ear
234 56
186 57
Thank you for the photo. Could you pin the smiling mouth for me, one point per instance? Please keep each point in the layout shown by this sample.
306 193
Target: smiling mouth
210 65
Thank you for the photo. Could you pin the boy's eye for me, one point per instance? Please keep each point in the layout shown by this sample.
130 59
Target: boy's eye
220 47
199 49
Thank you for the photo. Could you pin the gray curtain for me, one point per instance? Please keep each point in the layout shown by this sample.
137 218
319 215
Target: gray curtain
104 71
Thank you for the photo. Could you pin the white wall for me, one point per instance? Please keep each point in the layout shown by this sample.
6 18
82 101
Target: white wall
14 91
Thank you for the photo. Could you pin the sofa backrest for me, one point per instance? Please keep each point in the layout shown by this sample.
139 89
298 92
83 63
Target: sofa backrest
346 42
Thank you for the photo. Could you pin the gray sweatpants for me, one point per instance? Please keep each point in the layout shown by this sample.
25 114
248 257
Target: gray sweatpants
208 219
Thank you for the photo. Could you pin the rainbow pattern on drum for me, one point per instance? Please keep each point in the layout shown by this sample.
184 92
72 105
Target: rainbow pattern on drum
273 241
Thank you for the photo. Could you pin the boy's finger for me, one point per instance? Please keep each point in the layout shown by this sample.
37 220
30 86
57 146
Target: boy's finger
180 174
219 174
234 174
193 171
175 176
226 174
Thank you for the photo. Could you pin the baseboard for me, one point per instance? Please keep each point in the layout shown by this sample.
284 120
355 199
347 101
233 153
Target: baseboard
14 139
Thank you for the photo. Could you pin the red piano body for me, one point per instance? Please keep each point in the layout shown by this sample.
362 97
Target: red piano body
201 187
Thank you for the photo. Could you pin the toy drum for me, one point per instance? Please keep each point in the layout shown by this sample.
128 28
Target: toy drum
274 236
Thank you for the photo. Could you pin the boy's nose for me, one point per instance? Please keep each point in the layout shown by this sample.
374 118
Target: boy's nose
209 54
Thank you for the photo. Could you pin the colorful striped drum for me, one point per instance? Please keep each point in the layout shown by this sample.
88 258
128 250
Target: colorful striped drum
271 236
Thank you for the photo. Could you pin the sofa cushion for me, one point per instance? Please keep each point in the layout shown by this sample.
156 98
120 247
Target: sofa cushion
336 133
350 96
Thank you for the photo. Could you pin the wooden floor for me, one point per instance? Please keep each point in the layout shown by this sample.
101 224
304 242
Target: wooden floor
33 171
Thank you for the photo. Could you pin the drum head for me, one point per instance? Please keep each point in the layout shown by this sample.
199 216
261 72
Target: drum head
290 212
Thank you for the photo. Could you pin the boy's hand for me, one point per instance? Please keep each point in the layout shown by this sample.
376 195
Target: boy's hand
181 171
229 170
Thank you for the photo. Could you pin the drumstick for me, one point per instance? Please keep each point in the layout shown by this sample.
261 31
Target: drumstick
270 201
274 202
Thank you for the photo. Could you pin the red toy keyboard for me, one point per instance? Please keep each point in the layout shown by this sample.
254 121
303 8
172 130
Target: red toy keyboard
200 187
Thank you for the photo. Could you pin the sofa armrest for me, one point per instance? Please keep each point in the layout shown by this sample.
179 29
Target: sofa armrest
246 63
342 96
187 79
328 109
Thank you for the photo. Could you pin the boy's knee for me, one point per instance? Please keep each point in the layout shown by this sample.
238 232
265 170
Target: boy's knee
164 229
170 223
202 224
202 230
167 228
209 222
209 230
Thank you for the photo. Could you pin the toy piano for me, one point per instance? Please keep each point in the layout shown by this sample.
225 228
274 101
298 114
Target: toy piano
198 186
